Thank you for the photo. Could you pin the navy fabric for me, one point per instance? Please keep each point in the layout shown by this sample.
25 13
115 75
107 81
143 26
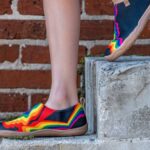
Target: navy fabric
61 115
80 122
128 17
107 52
2 128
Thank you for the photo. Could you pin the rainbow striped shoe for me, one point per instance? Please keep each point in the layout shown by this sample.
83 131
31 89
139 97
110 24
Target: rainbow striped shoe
44 121
130 19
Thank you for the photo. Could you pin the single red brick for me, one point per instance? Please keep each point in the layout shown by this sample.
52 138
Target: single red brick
31 7
36 54
96 30
99 7
98 50
139 50
22 29
5 7
25 79
9 53
146 31
13 102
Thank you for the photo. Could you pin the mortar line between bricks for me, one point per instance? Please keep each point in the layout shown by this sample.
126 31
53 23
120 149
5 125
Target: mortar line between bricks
91 44
14 7
83 17
83 7
24 67
25 91
32 17
4 115
20 55
29 101
33 42
24 42
15 66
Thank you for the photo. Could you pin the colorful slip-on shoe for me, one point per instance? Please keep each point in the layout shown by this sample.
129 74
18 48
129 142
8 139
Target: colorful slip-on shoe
130 19
43 121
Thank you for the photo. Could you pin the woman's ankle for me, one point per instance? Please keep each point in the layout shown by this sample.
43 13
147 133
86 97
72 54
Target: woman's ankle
61 103
62 97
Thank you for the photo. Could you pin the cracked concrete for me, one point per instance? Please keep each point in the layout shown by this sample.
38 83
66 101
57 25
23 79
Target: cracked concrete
121 96
123 93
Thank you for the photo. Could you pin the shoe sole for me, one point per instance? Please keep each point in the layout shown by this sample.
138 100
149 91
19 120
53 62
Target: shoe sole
45 132
128 42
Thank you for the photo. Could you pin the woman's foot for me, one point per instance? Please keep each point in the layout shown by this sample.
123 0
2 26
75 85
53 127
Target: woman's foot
131 17
44 121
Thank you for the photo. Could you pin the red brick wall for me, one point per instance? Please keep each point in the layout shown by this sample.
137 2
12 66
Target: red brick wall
24 57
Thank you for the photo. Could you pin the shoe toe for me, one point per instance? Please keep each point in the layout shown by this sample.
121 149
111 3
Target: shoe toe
2 128
107 52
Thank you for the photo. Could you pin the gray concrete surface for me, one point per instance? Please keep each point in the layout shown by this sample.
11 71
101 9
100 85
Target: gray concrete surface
46 143
122 96
77 143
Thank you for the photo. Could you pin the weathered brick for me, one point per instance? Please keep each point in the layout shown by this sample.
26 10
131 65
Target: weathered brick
139 50
30 7
25 79
36 54
9 53
99 7
98 50
13 102
5 7
100 30
22 29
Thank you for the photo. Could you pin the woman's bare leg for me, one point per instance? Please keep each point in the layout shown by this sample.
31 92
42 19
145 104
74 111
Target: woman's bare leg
63 26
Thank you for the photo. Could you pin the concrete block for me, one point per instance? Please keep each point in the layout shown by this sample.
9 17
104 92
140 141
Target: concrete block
120 91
